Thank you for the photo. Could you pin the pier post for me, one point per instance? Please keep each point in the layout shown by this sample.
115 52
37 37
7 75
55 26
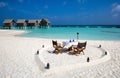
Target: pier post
77 36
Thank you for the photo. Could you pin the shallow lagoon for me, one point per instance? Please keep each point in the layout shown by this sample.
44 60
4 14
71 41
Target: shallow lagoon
70 32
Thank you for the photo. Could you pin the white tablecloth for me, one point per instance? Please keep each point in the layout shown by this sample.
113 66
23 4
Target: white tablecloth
68 44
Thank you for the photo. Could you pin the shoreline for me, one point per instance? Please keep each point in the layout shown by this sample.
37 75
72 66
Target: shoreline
20 32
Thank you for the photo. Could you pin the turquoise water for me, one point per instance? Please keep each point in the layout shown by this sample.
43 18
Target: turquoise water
70 32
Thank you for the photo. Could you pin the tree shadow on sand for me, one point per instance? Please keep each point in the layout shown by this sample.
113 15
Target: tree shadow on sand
39 63
50 51
53 52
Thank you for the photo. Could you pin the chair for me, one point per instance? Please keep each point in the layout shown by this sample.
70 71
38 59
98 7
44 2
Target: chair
81 47
57 44
54 43
58 47
77 49
71 50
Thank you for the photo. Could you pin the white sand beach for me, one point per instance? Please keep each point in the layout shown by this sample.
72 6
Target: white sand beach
18 58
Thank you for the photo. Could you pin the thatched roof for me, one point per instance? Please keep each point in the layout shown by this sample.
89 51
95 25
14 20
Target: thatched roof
39 21
21 21
32 21
47 20
8 20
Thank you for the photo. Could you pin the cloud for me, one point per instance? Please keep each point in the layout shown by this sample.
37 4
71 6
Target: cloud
46 6
53 17
2 4
81 1
114 4
115 9
20 1
64 3
115 14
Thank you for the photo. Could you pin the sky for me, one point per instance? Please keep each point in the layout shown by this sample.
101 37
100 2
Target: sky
63 12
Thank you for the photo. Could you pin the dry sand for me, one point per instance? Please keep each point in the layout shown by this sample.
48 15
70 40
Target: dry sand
18 59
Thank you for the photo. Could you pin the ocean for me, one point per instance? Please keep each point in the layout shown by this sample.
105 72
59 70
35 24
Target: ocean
70 32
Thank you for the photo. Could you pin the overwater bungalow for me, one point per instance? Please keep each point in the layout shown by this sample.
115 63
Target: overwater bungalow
44 22
48 22
38 24
9 23
32 22
21 23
